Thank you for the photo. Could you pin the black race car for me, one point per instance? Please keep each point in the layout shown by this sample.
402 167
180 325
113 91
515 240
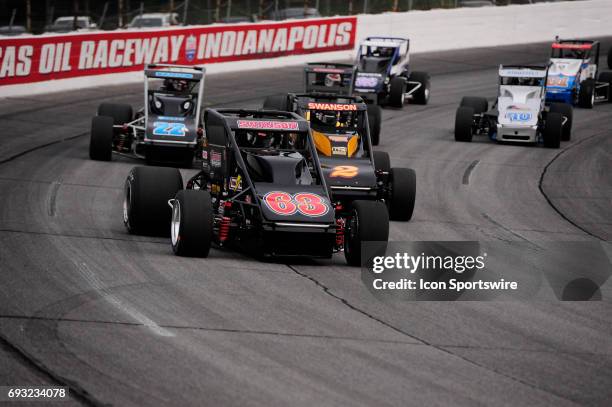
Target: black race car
333 79
261 188
384 75
340 129
167 129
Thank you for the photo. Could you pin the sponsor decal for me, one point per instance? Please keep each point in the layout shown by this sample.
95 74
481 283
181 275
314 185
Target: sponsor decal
170 74
344 171
204 155
366 81
560 81
190 48
339 150
267 125
236 183
215 158
169 129
519 116
41 58
285 204
331 106
328 70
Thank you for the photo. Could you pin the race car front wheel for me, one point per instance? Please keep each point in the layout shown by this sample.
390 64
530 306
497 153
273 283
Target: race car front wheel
368 222
397 91
101 138
586 95
568 113
146 194
553 128
464 120
421 95
191 227
402 193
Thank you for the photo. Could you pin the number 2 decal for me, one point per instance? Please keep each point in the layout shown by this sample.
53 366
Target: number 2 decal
344 171
169 129
286 204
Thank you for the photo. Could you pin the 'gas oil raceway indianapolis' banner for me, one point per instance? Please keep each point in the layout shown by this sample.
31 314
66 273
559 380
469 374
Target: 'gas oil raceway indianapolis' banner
34 59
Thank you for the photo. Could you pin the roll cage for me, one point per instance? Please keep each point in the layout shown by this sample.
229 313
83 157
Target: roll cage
224 128
369 60
326 77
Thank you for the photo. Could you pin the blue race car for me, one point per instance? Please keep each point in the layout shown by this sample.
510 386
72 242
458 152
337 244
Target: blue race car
384 76
574 77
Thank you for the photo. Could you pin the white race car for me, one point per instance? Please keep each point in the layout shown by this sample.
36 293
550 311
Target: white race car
520 114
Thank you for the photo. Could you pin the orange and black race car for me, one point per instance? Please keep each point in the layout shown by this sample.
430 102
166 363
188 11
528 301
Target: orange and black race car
353 171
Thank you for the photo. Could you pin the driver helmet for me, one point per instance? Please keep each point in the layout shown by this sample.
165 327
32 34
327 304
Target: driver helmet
326 118
333 79
387 52
176 85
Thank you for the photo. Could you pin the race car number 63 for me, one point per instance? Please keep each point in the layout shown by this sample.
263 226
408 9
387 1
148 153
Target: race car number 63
286 204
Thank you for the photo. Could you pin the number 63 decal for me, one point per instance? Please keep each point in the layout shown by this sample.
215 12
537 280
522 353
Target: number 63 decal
169 129
286 204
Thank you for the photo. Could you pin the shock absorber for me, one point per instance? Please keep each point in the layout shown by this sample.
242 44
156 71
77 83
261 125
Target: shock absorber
224 227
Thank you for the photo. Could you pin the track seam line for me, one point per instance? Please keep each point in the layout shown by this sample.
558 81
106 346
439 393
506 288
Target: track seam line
549 201
78 392
327 291
198 328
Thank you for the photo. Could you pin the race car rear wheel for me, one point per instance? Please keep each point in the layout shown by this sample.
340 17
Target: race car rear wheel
276 102
101 138
191 227
586 96
397 91
606 77
402 193
567 112
120 112
553 129
421 96
374 120
146 195
382 162
368 222
479 104
464 120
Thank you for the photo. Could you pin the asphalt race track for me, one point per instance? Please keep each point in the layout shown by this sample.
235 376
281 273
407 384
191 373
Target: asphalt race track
123 321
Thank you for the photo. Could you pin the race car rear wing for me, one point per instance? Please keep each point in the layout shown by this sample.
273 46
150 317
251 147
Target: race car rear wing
330 78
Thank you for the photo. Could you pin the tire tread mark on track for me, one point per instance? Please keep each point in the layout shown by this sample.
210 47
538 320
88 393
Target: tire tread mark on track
29 232
355 308
468 172
550 202
55 185
40 146
29 360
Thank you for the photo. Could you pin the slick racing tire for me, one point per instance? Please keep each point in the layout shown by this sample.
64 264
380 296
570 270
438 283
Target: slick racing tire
382 162
397 91
586 95
421 96
191 227
374 120
145 200
480 105
553 129
276 102
606 77
101 138
369 222
568 112
120 112
464 120
610 58
402 193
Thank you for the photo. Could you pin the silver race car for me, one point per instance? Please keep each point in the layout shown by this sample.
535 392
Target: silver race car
519 114
167 129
